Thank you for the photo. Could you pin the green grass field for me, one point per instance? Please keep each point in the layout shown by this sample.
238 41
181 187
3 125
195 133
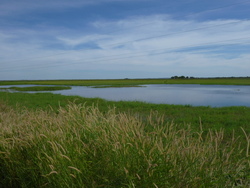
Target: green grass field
133 82
51 140
38 88
228 118
78 145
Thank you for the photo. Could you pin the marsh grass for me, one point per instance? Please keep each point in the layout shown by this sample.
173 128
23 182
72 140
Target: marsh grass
80 146
133 82
40 88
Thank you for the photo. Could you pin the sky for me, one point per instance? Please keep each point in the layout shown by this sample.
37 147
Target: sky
117 39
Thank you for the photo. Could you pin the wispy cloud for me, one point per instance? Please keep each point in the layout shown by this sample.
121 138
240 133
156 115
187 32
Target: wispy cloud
136 44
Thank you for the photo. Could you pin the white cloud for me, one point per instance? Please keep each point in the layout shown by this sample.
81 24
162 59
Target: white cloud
74 41
135 46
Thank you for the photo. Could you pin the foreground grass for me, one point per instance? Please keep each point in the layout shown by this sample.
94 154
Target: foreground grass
133 82
80 146
39 88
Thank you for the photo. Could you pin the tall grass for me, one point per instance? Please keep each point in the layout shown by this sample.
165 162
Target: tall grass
228 118
80 146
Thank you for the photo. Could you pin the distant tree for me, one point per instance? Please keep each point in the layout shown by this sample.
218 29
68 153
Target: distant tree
181 77
174 77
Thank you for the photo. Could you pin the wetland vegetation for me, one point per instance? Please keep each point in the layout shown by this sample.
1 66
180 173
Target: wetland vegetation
134 82
53 140
38 88
80 146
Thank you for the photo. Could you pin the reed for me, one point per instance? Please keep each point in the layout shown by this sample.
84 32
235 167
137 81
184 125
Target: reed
80 146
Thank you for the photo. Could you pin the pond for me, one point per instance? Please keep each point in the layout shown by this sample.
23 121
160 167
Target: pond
179 94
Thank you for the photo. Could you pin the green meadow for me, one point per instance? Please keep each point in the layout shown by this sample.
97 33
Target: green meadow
38 88
134 82
51 140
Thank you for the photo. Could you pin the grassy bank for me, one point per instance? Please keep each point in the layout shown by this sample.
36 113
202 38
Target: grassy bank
39 88
134 82
53 140
228 118
111 82
80 146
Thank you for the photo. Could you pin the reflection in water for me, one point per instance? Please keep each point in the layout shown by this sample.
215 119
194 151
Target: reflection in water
189 94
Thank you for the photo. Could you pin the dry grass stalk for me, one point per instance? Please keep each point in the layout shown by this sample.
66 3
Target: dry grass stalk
117 149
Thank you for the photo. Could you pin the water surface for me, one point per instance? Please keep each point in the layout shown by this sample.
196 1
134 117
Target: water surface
183 94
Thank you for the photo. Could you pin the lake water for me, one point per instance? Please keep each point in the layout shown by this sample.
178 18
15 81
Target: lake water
184 94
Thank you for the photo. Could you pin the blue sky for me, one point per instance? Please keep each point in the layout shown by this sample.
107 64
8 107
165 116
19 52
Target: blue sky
108 39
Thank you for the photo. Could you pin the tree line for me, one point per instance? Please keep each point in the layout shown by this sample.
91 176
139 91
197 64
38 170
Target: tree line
182 77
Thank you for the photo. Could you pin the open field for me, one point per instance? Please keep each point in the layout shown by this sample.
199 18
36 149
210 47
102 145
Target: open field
80 146
133 82
39 88
53 140
214 118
